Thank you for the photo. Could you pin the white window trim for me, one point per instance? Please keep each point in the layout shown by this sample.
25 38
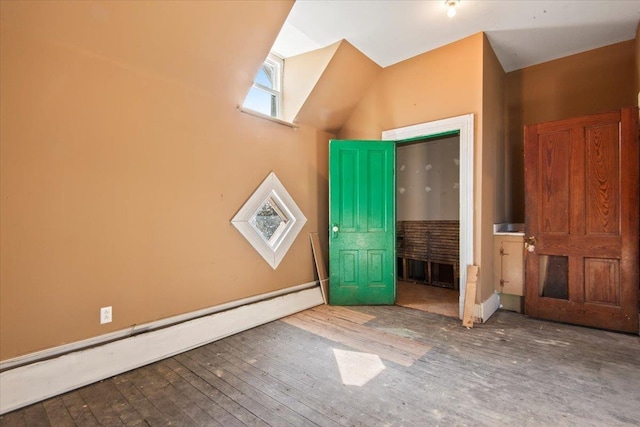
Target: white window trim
277 64
272 251
254 113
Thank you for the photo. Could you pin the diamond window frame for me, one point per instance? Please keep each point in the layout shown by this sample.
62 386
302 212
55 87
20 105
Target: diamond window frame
275 248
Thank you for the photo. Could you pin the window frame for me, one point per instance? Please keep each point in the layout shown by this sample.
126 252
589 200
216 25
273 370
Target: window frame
274 249
276 64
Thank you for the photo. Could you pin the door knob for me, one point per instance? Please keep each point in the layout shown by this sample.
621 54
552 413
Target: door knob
335 229
530 243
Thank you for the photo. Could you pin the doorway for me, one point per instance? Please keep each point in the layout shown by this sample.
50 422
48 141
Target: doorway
464 127
427 223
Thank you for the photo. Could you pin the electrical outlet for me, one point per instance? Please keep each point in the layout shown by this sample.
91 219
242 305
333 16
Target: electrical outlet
105 315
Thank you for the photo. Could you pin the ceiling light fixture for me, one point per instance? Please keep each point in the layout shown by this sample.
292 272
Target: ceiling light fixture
451 7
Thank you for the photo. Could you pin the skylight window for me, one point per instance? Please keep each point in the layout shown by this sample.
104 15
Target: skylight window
265 96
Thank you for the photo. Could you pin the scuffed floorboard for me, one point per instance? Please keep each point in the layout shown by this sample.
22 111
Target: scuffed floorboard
336 324
372 366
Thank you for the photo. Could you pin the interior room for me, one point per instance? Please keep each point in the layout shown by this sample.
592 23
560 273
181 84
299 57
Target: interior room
182 239
428 226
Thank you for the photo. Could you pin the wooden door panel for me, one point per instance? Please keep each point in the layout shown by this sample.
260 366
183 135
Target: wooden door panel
347 193
348 266
606 246
376 267
377 199
602 174
581 181
555 161
586 314
602 281
362 219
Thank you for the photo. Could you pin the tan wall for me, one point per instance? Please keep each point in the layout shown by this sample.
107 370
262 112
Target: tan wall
591 82
123 159
493 160
345 79
443 83
302 73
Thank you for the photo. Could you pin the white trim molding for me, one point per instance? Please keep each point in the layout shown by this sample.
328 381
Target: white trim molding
270 194
250 112
24 385
144 327
484 310
464 125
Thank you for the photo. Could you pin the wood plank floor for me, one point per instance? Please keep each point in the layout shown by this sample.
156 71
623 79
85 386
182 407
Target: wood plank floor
428 298
372 366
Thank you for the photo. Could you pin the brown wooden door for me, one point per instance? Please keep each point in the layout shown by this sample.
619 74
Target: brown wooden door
581 182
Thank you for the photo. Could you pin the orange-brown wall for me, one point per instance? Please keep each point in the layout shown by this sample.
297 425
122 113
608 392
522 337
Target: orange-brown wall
123 159
442 83
591 82
339 90
493 160
301 74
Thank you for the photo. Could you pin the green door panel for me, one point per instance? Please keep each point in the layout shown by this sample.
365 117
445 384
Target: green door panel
362 222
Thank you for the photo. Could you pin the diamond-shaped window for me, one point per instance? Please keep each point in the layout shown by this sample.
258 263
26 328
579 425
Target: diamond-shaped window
270 220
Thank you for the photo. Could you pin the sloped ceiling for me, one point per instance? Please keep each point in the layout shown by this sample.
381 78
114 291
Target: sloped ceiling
522 32
339 89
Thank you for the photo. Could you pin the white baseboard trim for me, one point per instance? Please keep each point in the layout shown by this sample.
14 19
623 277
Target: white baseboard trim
27 384
486 309
483 311
142 328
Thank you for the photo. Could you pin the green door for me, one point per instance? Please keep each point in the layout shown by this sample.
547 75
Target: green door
362 222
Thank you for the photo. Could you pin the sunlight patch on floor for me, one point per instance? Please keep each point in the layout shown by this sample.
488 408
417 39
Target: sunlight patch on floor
357 368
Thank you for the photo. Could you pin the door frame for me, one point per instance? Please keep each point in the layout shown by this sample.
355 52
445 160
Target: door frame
465 126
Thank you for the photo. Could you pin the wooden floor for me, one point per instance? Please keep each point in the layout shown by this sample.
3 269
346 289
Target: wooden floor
372 366
428 298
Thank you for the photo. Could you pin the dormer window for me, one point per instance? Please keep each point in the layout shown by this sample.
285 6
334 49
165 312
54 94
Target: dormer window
265 96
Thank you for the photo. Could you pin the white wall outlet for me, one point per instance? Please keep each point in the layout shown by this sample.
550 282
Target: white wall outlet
105 315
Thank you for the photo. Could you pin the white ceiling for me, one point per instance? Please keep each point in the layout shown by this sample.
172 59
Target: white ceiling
522 32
